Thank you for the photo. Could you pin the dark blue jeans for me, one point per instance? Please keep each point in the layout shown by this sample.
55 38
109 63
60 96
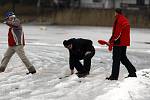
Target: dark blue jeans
119 55
85 68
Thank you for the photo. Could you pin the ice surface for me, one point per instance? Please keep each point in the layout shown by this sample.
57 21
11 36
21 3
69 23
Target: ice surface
45 50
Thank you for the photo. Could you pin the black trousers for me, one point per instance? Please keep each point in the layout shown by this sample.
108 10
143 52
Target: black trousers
85 68
119 55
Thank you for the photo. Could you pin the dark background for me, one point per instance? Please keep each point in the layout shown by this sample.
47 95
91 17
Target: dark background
72 12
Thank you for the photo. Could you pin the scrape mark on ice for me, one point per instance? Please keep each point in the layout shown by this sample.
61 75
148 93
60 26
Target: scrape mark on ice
47 53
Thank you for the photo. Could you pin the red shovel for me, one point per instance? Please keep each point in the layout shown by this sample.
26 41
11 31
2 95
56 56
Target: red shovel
103 42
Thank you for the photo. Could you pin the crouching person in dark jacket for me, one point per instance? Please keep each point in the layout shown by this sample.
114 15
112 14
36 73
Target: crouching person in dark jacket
80 49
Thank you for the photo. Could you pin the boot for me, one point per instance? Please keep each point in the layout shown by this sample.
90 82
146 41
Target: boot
111 78
82 74
2 69
131 75
31 70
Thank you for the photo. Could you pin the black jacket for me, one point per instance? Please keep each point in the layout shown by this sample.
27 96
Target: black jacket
79 48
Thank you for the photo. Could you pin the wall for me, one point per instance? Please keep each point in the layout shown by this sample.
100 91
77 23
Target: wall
89 17
98 17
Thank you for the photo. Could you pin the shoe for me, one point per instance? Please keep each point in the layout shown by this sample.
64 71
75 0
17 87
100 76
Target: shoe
2 69
80 75
131 75
111 78
81 72
31 72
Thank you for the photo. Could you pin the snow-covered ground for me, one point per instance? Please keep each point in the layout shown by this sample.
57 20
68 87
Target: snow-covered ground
45 50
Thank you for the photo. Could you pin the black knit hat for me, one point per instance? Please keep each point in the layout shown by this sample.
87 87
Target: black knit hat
66 42
118 10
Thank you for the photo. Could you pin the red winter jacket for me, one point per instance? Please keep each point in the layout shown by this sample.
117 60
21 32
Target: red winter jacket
15 34
121 32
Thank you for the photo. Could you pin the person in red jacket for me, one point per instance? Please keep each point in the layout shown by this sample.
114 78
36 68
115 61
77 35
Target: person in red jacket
120 39
15 42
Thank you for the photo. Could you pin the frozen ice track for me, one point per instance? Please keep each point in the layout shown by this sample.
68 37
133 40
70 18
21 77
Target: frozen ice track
44 49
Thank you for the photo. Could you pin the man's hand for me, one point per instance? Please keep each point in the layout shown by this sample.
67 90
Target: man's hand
110 47
72 72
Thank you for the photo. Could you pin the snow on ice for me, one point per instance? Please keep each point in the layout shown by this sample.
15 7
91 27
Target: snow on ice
45 50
